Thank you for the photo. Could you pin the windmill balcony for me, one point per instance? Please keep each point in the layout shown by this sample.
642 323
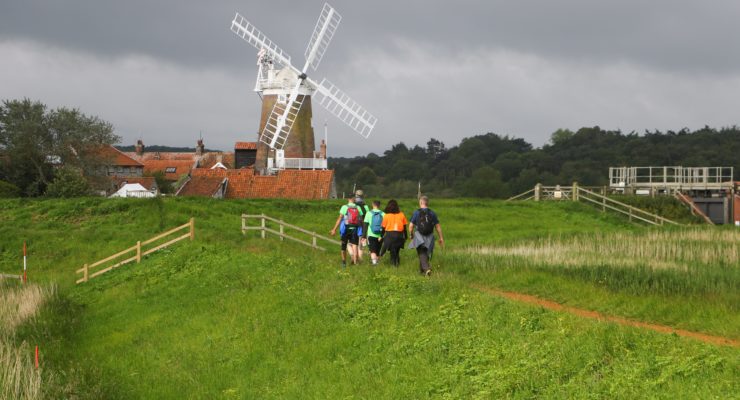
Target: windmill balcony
301 163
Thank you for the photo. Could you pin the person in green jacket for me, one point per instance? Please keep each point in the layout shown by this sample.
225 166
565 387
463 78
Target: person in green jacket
373 231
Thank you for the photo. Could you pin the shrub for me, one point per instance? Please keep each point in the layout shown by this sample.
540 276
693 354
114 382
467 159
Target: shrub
68 183
8 190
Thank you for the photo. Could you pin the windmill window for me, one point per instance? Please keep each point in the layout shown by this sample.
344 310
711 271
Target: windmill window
170 170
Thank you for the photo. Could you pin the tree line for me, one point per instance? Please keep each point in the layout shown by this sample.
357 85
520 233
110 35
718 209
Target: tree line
53 152
492 165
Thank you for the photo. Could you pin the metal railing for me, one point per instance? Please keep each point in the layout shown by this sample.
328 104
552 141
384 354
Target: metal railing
670 177
301 163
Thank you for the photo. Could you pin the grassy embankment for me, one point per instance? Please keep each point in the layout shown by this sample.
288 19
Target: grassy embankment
234 318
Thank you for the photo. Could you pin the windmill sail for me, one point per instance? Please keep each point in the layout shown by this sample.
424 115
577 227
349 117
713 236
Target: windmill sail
281 119
245 30
323 32
344 108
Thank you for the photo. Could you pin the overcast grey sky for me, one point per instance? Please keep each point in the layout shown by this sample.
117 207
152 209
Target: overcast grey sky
166 70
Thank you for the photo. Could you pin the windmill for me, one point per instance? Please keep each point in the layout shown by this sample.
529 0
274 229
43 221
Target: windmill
286 92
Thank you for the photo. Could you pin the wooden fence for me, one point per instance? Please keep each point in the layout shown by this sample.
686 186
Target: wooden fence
576 192
264 229
137 250
11 276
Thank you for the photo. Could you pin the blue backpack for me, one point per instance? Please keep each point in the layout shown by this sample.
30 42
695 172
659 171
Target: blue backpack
377 222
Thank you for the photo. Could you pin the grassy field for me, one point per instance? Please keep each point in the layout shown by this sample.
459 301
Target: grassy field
233 317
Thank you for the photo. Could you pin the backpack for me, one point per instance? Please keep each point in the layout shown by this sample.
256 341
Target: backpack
376 226
424 225
352 217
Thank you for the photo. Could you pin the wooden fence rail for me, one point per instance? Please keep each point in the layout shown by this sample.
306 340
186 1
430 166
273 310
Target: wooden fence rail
264 229
576 192
137 250
11 276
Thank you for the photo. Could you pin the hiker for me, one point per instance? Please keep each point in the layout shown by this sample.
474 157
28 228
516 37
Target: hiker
422 226
373 231
394 232
360 201
350 218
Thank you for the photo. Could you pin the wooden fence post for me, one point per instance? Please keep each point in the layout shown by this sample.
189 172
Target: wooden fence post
192 228
282 230
263 226
313 241
138 251
537 191
244 225
575 191
86 273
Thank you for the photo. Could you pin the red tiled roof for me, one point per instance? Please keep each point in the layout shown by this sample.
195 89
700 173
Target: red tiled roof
211 158
287 184
147 181
115 157
156 155
205 186
181 167
245 146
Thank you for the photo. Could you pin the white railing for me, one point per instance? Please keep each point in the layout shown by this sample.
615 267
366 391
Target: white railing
141 193
669 176
301 163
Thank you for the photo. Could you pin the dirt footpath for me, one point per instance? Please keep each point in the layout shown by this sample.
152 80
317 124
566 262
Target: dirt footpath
551 305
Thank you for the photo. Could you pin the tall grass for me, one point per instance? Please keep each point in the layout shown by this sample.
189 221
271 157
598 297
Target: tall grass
18 377
659 249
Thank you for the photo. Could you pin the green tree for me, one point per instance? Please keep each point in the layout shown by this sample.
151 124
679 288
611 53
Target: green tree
165 186
485 182
366 176
8 190
33 140
68 182
561 136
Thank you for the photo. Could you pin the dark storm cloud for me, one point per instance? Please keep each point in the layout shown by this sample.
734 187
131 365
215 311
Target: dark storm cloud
169 69
694 36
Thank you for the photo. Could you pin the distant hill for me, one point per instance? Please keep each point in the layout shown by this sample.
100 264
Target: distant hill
162 149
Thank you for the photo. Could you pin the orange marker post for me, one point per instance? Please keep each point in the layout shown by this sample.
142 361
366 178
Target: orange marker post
36 359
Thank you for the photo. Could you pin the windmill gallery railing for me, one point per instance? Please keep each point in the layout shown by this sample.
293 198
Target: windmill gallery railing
578 193
264 229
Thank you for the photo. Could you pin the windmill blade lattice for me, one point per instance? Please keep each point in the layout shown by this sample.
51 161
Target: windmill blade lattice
323 32
344 108
253 36
281 119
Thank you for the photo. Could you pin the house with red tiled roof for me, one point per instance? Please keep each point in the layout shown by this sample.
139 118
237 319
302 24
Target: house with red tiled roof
172 169
204 186
119 164
246 184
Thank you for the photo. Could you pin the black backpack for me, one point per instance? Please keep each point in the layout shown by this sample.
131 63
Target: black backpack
424 225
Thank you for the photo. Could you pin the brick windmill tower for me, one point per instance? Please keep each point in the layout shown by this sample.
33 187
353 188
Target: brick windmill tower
286 132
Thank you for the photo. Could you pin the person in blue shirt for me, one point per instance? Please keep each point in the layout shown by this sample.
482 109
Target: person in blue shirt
422 226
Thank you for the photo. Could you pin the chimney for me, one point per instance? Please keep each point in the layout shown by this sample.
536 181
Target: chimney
199 148
322 149
139 148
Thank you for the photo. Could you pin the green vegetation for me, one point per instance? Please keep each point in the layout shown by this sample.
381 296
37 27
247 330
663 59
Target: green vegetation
492 165
68 183
233 317
34 141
